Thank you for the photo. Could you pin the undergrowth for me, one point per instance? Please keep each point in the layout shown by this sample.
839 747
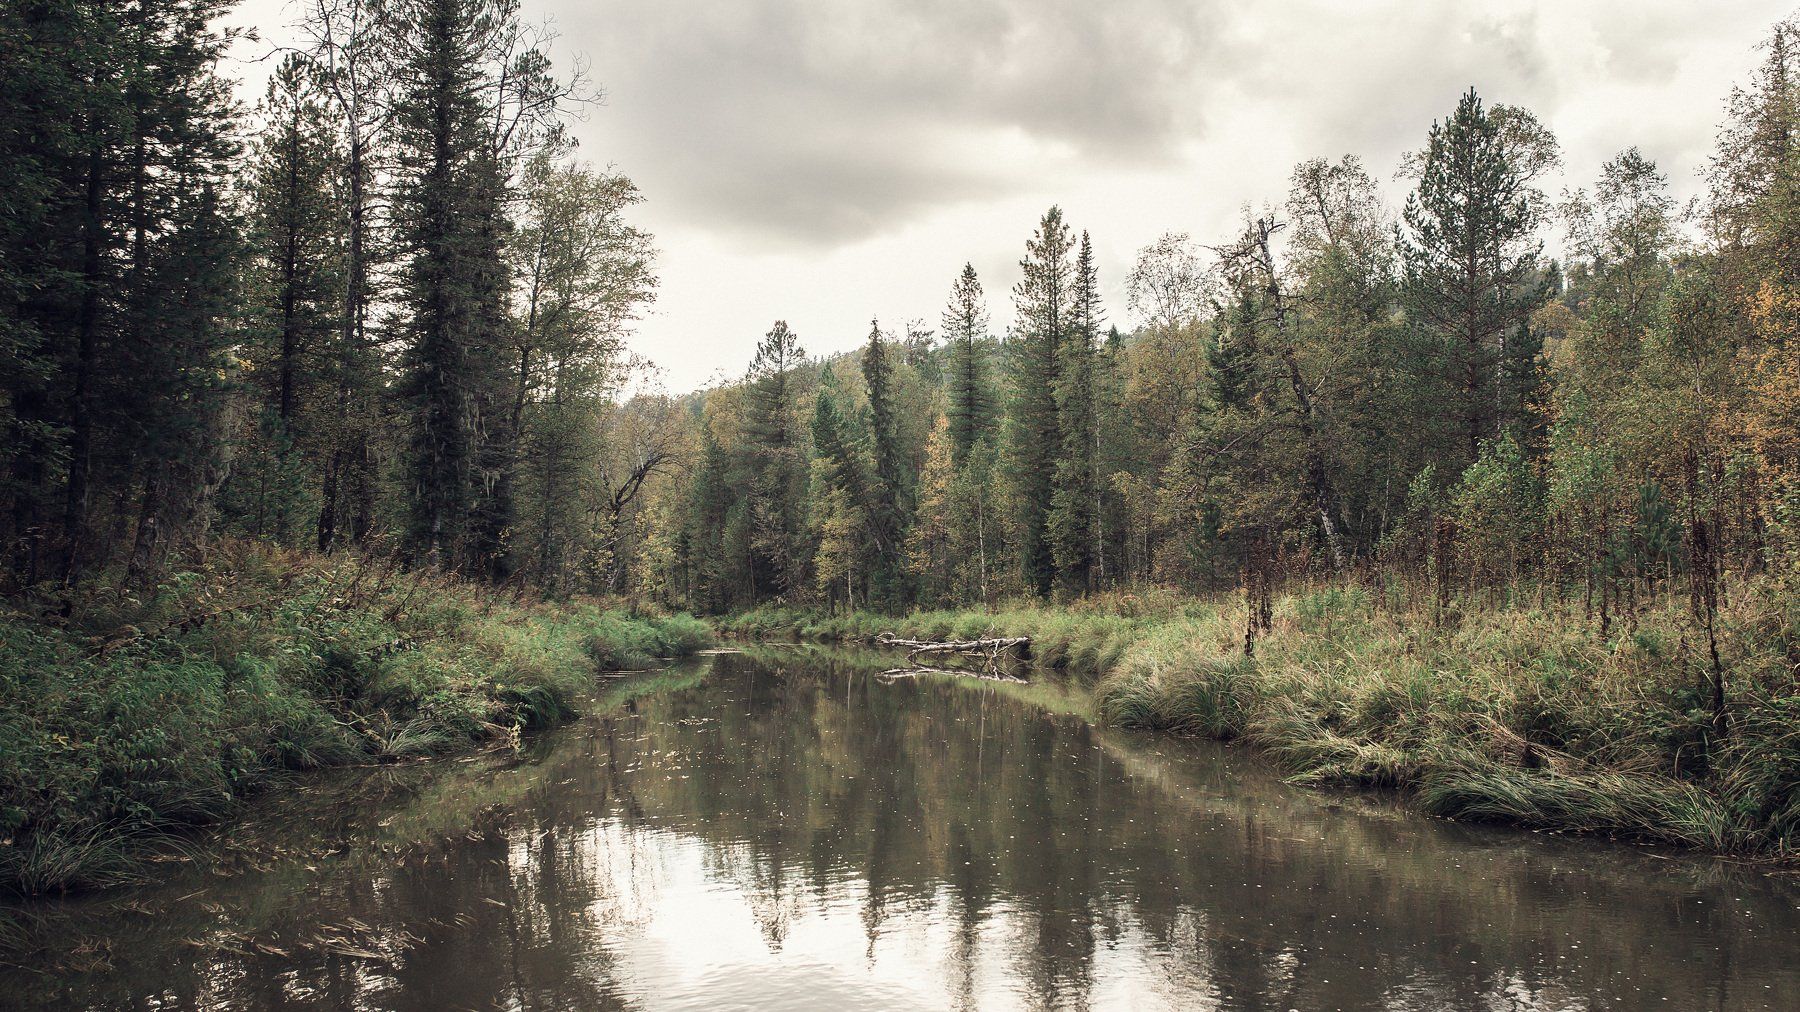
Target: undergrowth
133 718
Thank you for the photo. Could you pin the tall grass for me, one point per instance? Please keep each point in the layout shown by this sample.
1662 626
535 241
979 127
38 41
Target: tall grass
1086 638
134 719
1518 711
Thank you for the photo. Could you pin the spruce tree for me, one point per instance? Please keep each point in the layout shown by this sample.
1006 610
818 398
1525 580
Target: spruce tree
777 489
840 495
296 235
1074 501
453 187
709 560
1043 301
355 61
892 492
118 139
965 322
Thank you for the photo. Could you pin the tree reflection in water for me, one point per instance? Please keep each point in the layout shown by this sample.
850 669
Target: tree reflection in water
782 830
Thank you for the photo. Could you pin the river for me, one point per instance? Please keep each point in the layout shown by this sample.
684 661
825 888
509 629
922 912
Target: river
785 830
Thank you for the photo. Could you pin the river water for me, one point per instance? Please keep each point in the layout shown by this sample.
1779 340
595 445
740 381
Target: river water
786 830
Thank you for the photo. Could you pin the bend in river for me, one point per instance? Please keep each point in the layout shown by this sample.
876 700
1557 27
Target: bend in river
784 830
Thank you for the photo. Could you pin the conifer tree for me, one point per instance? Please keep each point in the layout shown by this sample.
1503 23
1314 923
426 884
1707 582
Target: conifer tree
474 97
840 499
1043 302
297 240
454 288
891 490
777 491
707 560
354 63
1471 261
965 322
119 138
930 545
1073 519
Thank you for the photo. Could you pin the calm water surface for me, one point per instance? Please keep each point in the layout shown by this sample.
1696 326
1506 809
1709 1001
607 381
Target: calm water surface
787 831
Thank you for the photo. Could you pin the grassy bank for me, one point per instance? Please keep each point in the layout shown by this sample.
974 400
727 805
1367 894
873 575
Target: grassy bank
131 719
1514 710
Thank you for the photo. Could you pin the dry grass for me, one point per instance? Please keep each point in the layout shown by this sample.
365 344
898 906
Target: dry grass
1509 707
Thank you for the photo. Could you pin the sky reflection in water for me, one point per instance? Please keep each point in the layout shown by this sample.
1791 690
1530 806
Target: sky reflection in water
783 831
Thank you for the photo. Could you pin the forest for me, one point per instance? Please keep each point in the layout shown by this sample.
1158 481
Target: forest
1336 391
381 311
384 311
366 340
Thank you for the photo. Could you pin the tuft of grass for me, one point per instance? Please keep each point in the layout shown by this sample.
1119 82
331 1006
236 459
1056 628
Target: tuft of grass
1519 713
135 719
1634 806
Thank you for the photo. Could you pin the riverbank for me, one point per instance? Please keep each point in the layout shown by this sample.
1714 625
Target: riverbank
132 719
1515 710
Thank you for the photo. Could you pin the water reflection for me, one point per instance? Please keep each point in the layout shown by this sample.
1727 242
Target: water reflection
786 832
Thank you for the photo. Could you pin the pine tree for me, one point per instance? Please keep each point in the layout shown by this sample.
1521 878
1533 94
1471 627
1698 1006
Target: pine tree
1471 259
708 561
353 60
117 142
1233 354
193 303
840 499
469 106
52 247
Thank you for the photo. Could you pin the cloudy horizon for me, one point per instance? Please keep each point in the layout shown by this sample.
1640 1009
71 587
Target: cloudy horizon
825 163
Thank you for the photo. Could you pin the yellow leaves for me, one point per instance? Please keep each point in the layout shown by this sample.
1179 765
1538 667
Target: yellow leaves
1773 424
928 541
1775 312
1558 324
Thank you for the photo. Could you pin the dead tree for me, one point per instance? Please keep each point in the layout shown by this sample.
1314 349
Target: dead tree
991 652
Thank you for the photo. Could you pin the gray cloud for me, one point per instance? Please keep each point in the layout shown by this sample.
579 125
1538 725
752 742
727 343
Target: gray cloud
807 124
822 160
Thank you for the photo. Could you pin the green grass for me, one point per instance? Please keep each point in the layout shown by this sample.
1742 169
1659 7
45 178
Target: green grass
1516 710
1087 638
136 719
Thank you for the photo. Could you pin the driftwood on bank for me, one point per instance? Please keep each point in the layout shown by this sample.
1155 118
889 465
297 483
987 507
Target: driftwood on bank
989 654
991 648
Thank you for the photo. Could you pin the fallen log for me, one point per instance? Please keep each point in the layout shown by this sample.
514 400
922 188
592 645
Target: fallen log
990 647
895 674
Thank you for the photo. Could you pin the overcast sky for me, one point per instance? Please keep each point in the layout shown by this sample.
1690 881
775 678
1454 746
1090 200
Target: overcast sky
822 161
